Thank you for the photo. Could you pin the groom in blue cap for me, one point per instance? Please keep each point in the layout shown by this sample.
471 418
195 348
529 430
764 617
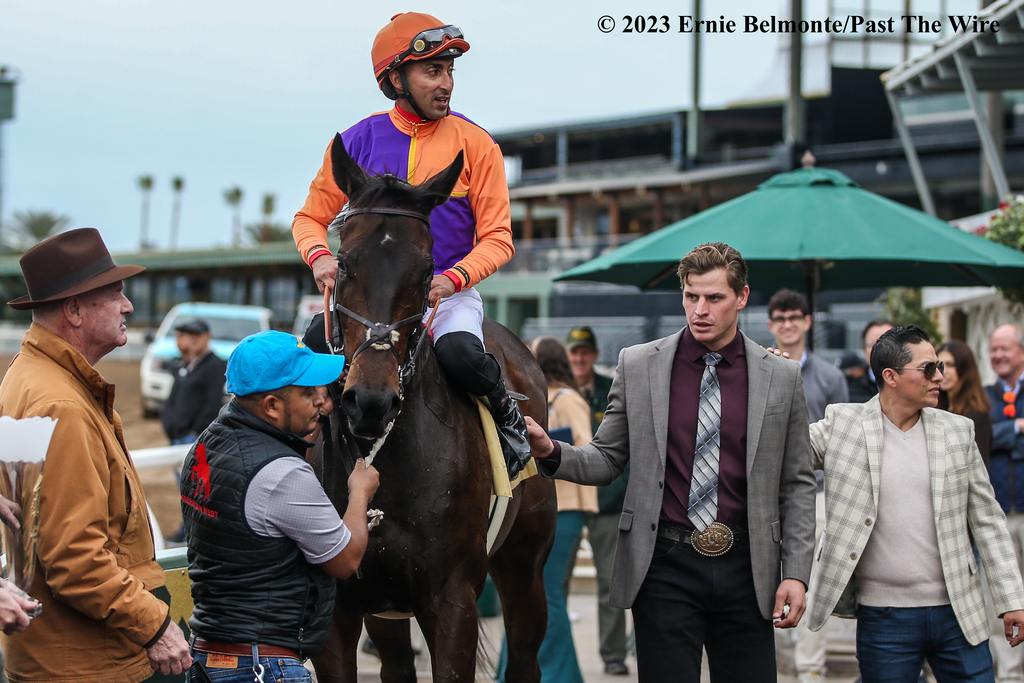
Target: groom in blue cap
265 544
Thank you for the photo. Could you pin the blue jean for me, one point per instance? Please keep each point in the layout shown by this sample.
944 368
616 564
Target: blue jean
893 642
276 670
557 655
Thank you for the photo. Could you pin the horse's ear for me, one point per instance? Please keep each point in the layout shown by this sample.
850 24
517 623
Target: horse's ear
347 174
440 187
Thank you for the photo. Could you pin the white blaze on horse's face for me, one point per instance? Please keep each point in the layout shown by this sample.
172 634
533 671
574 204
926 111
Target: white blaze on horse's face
387 238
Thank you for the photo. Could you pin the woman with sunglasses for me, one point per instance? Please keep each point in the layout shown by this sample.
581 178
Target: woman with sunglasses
413 62
962 392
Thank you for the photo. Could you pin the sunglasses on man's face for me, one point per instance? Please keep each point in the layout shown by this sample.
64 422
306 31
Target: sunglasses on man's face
929 369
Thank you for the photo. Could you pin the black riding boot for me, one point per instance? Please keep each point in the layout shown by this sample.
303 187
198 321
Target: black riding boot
472 369
515 445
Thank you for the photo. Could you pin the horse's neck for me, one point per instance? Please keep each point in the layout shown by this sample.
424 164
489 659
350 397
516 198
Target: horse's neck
430 397
426 381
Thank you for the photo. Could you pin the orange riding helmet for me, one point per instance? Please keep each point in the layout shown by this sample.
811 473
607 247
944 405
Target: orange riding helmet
409 37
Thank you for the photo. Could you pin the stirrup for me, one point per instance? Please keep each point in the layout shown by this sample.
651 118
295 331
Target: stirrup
516 396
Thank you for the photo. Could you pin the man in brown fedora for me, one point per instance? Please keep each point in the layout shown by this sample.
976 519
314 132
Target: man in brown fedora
96 568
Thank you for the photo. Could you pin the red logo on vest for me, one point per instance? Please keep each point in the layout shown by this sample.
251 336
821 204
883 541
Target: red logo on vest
199 480
200 474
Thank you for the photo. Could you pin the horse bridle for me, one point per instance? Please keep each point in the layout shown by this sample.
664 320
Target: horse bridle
379 336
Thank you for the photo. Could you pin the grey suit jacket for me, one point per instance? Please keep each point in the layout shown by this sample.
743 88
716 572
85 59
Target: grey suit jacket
780 483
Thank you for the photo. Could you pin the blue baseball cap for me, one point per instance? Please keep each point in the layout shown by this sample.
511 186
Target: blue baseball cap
273 360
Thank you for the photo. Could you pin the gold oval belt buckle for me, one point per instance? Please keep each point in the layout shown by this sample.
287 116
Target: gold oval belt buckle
714 541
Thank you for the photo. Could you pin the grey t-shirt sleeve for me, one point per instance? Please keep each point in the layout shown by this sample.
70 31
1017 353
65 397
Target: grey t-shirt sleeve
286 499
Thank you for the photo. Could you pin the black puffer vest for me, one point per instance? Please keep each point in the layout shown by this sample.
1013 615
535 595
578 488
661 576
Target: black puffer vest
247 588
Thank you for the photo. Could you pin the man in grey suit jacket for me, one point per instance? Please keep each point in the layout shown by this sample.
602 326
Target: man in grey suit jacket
717 530
906 490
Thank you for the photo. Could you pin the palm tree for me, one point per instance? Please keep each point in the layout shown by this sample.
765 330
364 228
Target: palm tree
145 184
178 186
267 204
267 230
233 196
32 227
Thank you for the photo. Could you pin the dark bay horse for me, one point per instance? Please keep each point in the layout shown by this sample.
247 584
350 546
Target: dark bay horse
429 555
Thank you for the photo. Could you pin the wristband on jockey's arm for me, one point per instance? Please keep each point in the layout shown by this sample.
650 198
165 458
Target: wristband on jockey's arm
454 277
460 274
316 252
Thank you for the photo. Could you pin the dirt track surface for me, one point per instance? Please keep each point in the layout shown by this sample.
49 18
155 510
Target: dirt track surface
161 487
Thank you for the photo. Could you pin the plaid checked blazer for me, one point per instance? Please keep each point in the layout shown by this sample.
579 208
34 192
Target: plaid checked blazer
847 445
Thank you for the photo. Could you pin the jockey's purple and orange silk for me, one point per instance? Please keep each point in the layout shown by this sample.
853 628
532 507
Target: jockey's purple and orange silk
472 230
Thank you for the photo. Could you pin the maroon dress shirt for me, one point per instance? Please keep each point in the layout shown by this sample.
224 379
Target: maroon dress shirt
687 369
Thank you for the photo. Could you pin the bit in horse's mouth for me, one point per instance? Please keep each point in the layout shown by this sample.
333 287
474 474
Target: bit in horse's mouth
364 435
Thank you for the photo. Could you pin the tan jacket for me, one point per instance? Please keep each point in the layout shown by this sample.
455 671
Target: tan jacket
96 563
567 408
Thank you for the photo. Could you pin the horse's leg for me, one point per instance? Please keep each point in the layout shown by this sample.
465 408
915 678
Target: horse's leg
450 624
337 662
391 636
518 572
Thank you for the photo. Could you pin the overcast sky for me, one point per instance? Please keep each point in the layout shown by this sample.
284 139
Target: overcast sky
249 92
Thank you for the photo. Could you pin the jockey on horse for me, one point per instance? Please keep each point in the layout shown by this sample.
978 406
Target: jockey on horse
413 59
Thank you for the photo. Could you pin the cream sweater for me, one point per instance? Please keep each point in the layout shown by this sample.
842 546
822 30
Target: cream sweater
566 408
901 566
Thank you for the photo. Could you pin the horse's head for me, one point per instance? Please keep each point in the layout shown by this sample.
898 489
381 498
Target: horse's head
384 272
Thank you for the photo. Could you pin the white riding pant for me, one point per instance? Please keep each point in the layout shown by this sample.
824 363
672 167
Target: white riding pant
461 312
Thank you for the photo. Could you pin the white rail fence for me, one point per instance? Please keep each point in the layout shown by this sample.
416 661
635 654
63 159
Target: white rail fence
152 458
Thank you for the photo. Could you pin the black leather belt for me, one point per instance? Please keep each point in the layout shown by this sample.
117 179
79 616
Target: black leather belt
714 541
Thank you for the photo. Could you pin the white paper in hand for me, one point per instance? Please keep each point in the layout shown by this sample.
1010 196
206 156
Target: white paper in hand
23 447
25 440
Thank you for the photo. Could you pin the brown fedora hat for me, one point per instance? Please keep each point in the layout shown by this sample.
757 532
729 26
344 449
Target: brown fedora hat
68 264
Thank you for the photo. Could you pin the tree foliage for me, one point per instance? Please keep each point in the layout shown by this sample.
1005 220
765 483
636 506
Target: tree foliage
31 227
903 307
1007 228
268 230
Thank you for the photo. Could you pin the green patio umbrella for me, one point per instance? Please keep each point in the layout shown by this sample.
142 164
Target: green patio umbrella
815 229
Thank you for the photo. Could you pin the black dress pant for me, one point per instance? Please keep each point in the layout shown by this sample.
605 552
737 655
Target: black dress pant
688 602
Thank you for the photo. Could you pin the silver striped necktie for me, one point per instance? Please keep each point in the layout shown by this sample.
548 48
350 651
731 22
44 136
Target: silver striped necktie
703 503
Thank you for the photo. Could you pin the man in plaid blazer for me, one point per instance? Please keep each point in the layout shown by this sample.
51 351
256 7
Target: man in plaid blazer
905 490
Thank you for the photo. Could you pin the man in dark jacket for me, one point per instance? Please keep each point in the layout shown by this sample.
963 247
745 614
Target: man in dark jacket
602 528
265 544
198 391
